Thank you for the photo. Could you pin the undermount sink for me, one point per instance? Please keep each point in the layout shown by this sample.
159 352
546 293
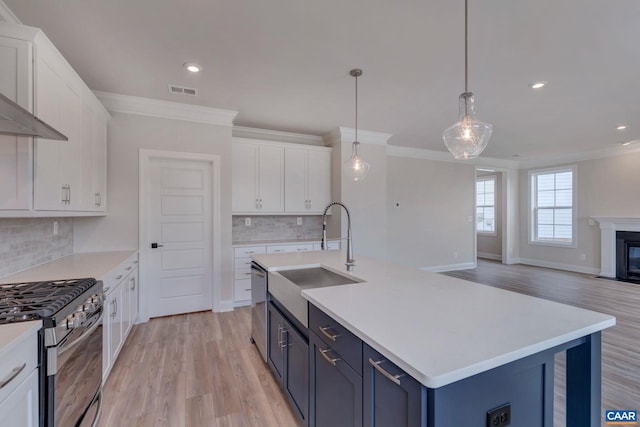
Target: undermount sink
316 277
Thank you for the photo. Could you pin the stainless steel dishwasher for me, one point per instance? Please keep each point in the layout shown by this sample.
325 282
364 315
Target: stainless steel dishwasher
259 308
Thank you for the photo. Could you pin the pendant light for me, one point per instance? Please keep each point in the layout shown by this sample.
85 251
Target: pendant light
356 168
466 138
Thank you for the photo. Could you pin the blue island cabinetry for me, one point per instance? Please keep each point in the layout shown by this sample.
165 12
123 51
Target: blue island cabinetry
288 357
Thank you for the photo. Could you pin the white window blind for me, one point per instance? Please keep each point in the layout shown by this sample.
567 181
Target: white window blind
486 205
553 206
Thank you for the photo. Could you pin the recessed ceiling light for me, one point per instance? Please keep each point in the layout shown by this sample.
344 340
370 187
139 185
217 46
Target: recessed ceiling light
537 85
621 127
192 66
624 144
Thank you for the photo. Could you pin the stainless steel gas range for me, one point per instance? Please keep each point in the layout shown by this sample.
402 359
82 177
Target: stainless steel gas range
69 345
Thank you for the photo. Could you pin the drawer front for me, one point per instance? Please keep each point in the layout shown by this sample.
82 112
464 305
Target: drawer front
343 342
115 276
242 263
17 363
242 290
247 251
243 273
274 249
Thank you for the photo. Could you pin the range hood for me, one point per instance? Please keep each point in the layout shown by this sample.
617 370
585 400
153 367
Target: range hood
15 120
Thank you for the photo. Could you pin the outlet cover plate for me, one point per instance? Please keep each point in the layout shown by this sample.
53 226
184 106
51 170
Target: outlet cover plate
499 417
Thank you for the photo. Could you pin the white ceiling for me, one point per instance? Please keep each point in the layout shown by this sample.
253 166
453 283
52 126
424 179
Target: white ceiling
284 64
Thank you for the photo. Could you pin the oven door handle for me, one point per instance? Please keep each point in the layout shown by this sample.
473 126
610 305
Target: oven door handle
66 347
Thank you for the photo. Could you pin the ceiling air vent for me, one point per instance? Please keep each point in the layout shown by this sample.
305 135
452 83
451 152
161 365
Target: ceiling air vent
183 90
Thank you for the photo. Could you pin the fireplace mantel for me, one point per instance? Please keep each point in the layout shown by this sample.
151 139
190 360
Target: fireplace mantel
608 227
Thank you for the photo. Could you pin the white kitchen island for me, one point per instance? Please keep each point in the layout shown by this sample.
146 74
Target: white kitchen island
461 339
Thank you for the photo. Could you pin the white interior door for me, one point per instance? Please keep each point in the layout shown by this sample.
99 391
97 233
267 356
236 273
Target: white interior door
180 223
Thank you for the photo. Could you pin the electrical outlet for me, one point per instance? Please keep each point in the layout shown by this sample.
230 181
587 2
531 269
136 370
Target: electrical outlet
247 222
583 257
299 220
55 228
499 417
455 255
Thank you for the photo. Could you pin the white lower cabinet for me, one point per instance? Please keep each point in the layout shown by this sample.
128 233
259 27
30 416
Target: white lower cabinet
21 407
242 264
121 310
19 381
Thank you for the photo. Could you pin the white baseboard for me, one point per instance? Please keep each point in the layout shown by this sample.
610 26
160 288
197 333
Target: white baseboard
222 306
487 255
450 267
558 266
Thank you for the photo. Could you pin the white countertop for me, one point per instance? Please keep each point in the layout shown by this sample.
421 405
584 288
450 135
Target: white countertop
437 328
12 331
75 266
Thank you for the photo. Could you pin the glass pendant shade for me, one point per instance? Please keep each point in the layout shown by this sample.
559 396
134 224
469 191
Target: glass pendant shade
466 138
355 168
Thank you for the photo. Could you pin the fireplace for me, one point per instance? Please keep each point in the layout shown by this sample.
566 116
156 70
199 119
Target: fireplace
628 256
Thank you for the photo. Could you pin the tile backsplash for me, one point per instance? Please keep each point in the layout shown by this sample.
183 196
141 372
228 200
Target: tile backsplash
27 242
277 227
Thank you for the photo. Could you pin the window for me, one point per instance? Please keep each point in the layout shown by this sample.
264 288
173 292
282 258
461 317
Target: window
552 206
486 205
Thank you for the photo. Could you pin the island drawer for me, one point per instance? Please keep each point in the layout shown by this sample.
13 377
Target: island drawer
343 342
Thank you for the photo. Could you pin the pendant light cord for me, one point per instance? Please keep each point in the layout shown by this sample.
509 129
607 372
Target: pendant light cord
466 55
356 107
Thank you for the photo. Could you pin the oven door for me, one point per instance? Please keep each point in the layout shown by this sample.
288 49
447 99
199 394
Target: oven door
78 377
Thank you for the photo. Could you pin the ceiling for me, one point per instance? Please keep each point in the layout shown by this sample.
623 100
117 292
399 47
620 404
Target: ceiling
284 64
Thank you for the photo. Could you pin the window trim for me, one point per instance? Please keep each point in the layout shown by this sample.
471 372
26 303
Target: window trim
495 209
531 206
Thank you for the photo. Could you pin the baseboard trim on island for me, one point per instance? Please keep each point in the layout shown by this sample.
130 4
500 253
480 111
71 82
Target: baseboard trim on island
450 267
223 306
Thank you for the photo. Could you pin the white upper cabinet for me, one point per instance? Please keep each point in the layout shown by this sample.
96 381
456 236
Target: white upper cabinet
278 178
15 152
307 181
56 178
257 178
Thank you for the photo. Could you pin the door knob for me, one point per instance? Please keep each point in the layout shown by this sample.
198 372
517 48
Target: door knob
155 246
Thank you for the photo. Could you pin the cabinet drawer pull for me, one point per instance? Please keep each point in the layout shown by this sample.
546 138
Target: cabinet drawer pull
327 358
394 378
14 373
327 334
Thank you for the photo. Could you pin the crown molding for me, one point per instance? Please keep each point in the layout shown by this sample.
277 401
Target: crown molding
365 136
128 104
543 161
277 136
7 14
445 156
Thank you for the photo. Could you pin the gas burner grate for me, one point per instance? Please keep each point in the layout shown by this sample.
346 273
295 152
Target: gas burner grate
38 300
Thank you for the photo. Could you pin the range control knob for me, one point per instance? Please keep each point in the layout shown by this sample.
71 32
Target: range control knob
72 322
89 307
96 299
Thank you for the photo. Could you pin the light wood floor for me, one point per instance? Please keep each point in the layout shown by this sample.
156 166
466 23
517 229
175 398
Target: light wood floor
193 370
200 369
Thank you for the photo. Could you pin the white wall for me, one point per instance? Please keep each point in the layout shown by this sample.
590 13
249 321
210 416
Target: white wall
127 135
605 187
431 226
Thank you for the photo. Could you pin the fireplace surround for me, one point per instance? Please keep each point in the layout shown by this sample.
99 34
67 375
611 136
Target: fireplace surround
609 226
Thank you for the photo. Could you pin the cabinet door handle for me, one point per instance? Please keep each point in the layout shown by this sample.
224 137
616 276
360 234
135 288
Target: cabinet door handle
69 198
394 378
14 373
327 358
119 277
327 334
283 344
132 286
